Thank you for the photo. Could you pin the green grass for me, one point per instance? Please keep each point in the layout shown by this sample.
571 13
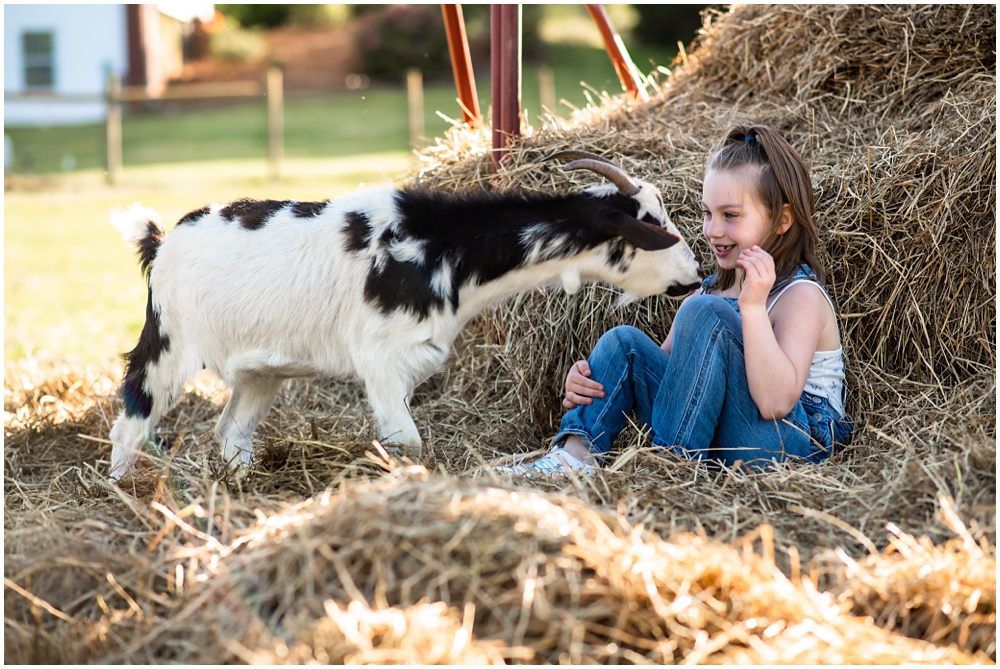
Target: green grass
72 289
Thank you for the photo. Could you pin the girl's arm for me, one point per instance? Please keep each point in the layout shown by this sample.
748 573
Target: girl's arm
778 354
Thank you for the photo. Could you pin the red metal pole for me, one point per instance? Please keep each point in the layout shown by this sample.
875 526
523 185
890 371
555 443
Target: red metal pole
511 22
505 52
618 53
496 89
461 63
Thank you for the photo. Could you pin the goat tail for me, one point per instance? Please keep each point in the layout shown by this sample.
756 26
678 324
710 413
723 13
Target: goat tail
141 228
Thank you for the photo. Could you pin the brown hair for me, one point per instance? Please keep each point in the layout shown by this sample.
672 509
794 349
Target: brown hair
782 178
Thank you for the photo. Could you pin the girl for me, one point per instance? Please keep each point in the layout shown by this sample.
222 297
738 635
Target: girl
752 367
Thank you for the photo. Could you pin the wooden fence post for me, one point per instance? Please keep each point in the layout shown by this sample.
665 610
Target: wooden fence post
275 121
415 103
113 129
547 89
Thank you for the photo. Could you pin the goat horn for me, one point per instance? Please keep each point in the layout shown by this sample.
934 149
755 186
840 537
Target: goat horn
626 185
577 155
584 160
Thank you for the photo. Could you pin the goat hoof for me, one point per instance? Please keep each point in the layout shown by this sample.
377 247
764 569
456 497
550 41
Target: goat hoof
402 452
410 452
239 473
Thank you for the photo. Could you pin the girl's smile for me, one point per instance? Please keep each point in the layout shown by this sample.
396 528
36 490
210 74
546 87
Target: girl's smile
722 250
734 220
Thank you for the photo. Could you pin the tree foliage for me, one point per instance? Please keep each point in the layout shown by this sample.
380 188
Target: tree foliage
665 24
272 16
393 38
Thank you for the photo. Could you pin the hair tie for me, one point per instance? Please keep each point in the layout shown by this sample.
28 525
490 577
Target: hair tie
749 138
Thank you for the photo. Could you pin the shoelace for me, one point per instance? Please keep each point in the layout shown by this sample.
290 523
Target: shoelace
556 462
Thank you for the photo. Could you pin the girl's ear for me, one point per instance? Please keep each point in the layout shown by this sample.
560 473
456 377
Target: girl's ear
787 217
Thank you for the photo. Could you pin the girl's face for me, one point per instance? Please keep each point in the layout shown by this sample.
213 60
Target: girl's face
734 218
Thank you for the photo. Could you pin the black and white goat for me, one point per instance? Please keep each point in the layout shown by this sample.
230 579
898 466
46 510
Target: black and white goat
375 284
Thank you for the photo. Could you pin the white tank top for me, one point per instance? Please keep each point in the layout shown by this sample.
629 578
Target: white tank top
826 371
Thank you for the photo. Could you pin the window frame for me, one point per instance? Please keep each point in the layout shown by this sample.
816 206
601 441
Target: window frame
39 60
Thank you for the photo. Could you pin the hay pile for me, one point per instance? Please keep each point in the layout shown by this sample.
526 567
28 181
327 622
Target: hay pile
334 552
419 568
927 591
893 109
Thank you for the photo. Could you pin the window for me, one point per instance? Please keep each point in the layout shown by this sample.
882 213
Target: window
39 59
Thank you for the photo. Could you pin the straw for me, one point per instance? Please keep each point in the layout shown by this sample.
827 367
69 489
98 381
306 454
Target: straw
335 551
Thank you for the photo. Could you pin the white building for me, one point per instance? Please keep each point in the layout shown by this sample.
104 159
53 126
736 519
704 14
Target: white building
69 50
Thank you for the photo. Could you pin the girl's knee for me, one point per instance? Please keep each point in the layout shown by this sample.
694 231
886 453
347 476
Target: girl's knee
704 312
621 338
621 345
708 304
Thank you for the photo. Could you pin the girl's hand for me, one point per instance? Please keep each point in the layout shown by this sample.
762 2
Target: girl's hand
579 388
758 276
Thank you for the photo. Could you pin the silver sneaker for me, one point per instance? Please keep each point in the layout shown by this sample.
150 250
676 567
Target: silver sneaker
557 462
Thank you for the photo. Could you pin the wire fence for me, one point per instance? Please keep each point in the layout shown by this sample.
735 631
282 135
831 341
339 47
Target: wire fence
47 149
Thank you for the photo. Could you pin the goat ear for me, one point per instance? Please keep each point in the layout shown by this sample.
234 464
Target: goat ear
642 235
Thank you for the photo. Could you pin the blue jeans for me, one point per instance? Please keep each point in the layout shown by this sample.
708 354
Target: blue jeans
696 400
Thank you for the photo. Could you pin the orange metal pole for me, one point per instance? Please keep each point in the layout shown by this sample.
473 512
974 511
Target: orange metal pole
461 63
619 54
